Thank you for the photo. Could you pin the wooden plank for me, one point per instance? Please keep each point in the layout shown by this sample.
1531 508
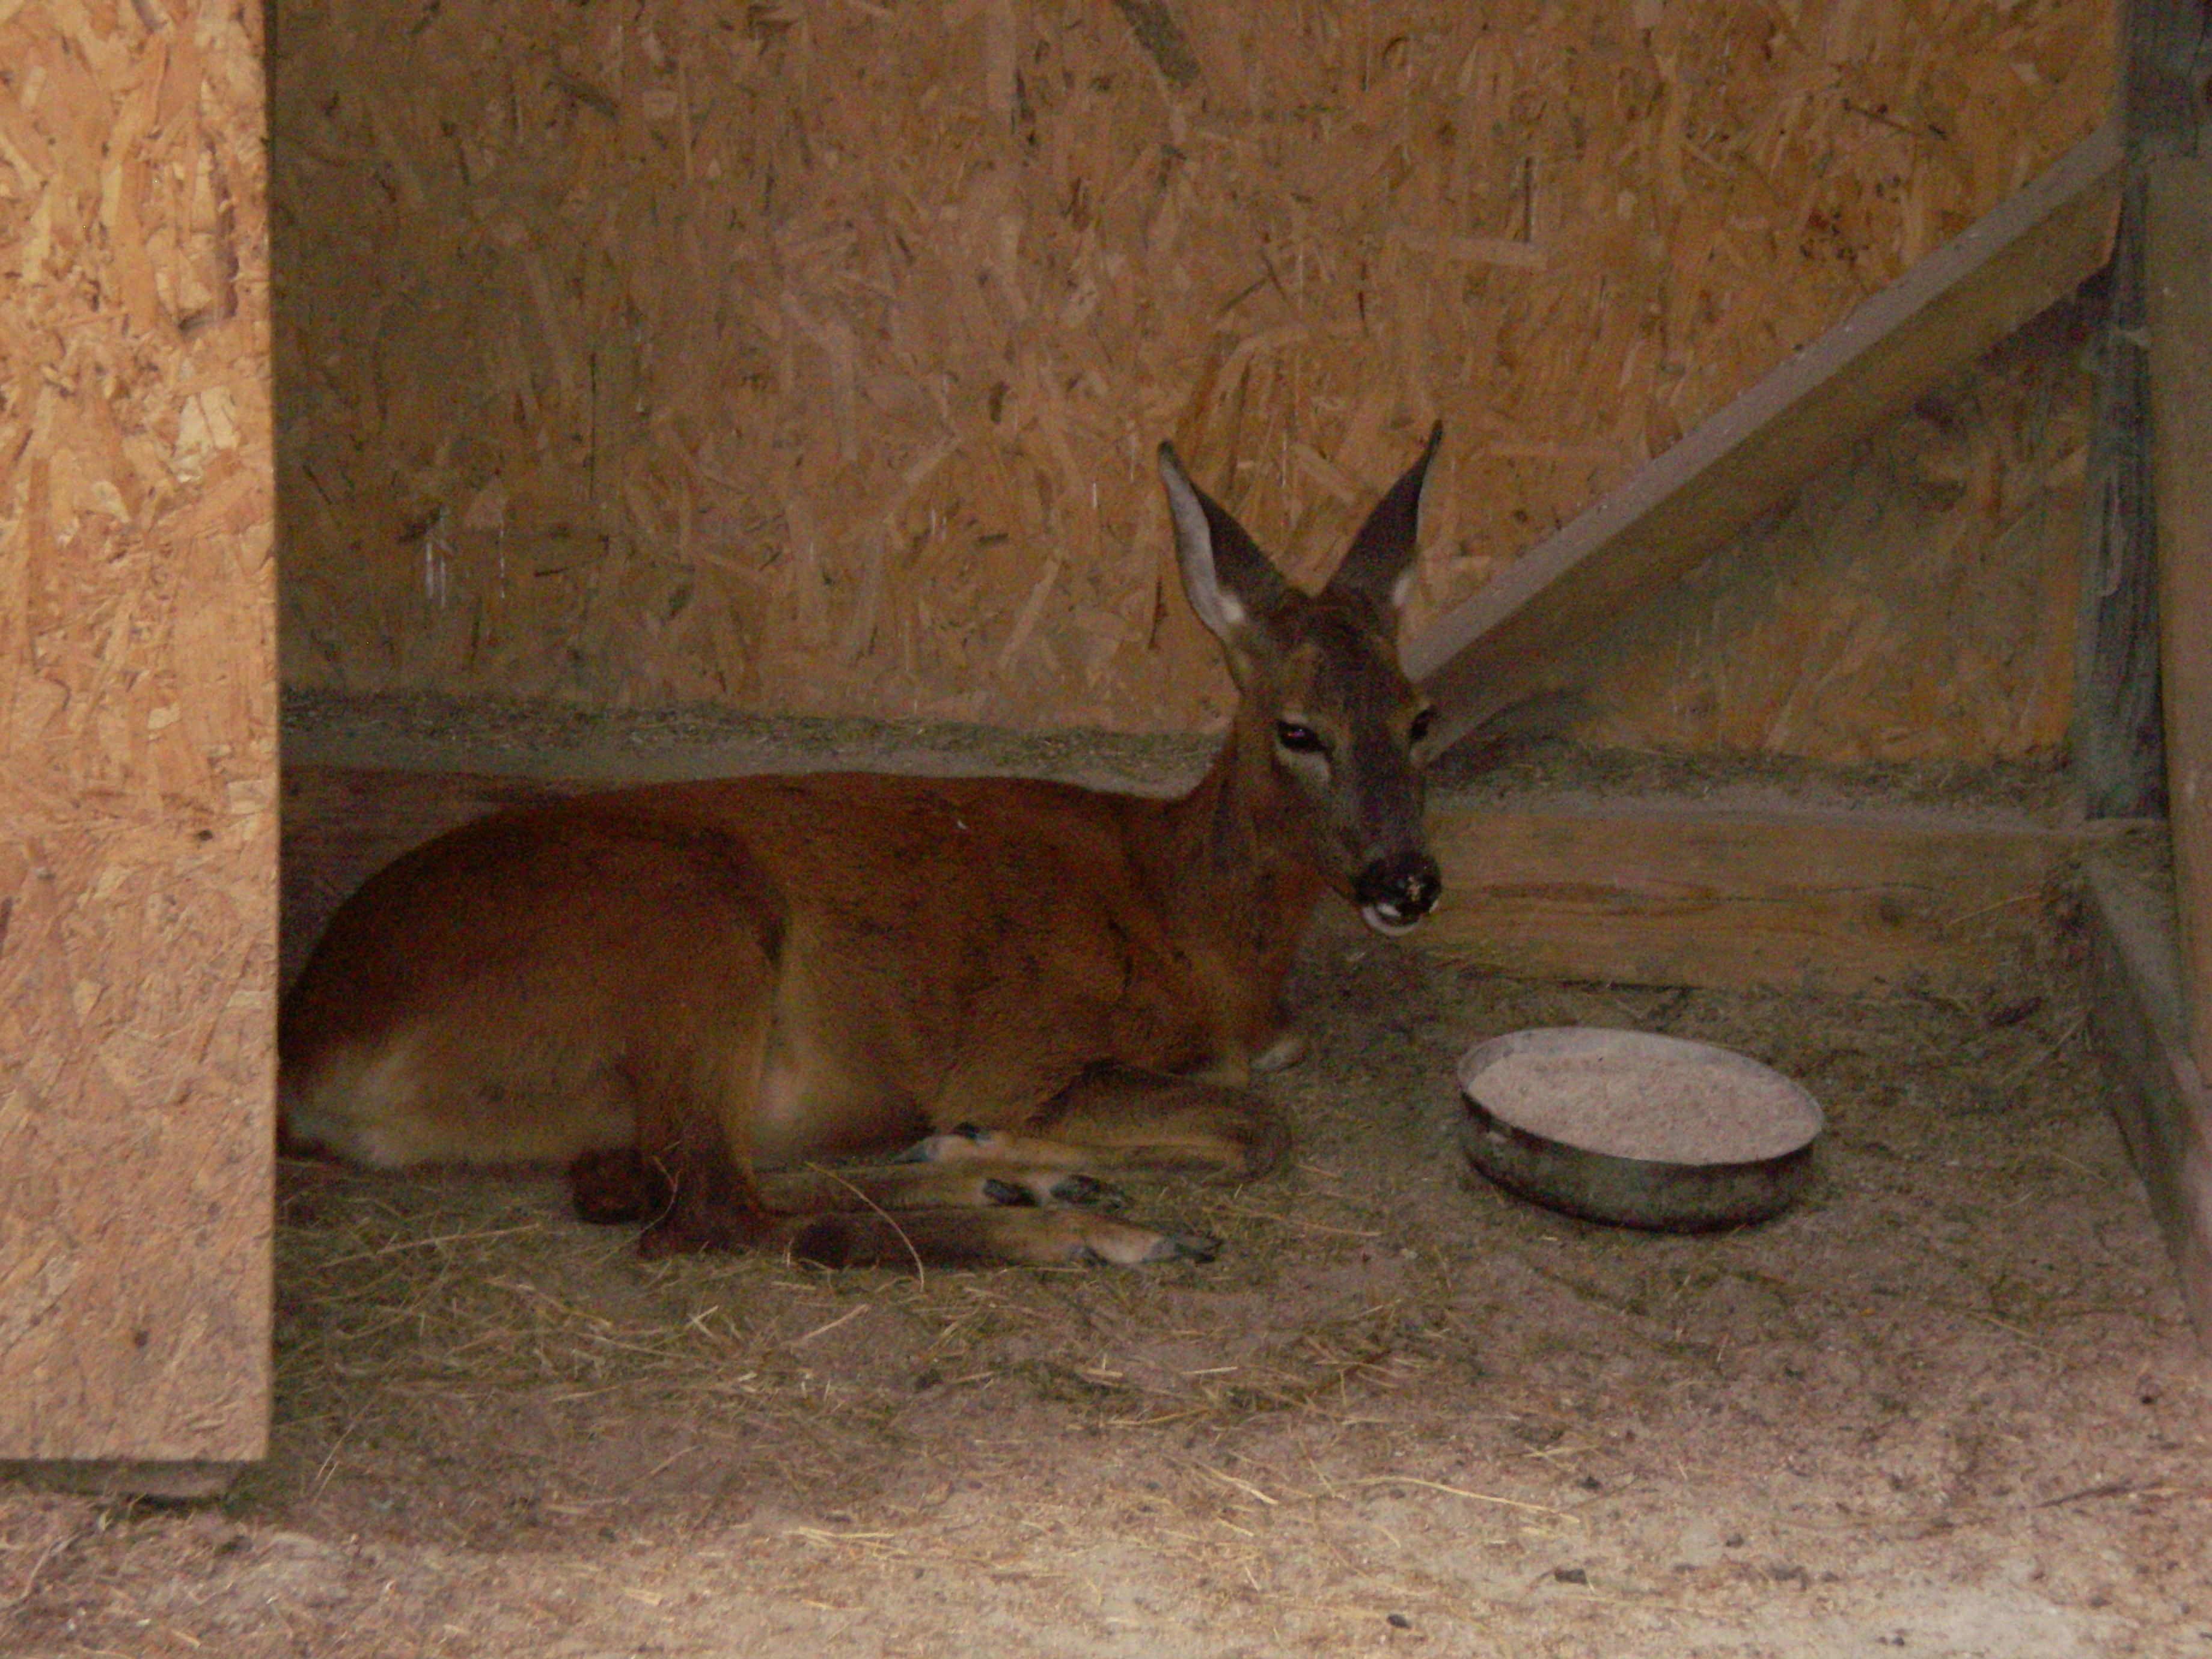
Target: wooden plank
2161 79
1938 318
2158 1094
2119 747
1681 893
138 725
170 1482
1638 892
2177 256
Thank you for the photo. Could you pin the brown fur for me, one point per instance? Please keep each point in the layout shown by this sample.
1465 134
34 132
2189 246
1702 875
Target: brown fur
677 988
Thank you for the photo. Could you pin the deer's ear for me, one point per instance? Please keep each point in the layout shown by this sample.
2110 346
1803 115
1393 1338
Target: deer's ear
1378 566
1228 580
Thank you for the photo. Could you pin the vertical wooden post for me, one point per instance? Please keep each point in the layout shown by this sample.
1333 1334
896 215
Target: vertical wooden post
2178 303
137 780
2119 745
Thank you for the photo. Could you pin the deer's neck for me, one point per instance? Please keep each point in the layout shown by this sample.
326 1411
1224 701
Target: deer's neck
1236 863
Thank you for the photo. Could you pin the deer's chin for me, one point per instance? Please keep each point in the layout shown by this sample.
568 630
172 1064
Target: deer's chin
1389 925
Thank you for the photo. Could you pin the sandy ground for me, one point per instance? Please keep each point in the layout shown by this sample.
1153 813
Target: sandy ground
1947 1406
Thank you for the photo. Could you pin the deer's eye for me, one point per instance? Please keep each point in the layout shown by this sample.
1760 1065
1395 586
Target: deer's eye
1423 723
1298 739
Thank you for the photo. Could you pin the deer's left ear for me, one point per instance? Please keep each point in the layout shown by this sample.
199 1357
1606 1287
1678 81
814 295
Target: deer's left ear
1378 566
1229 581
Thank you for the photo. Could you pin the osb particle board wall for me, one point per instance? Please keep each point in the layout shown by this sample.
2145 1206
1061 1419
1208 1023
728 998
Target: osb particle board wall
809 356
137 613
1917 602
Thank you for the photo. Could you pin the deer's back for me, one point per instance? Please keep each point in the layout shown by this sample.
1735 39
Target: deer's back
924 952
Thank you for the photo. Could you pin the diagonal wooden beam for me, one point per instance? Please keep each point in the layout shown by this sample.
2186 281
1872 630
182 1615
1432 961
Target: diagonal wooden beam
1948 309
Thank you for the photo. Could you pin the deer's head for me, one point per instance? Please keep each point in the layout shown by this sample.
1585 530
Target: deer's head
1324 704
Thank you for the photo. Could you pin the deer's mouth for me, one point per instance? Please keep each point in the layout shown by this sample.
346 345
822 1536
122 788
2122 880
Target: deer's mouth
1395 897
1390 926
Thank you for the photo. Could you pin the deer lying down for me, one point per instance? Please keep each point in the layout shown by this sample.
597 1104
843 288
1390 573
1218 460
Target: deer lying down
697 995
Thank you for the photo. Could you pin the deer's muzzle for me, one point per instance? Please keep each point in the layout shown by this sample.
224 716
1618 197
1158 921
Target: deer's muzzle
1394 894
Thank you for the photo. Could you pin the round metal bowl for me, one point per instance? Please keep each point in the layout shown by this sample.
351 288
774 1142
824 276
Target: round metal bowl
1636 1130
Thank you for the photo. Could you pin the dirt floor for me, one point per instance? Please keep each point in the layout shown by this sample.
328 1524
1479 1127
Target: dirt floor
1947 1406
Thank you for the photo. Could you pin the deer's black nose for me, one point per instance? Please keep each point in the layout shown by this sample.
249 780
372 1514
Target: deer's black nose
1394 894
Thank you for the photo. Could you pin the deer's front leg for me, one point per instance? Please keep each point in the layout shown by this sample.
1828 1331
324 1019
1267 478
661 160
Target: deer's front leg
1118 1117
966 1238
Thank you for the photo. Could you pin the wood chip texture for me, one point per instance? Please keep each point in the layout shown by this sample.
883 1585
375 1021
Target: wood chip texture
810 358
138 794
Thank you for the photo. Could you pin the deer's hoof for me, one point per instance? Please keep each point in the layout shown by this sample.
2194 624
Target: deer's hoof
1185 1247
1083 1193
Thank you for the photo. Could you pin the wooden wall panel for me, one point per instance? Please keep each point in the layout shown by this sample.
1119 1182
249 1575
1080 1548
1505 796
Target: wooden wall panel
1658 892
809 358
137 924
1914 603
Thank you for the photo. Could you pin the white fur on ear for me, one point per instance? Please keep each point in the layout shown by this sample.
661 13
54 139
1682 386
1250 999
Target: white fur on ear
1402 589
1220 610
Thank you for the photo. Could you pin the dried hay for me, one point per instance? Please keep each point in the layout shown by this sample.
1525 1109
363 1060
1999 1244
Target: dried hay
436 1287
1393 1395
476 1302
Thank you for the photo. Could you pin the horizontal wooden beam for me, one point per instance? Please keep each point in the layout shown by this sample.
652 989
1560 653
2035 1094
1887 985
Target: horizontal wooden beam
2159 1095
1667 892
1939 317
1645 891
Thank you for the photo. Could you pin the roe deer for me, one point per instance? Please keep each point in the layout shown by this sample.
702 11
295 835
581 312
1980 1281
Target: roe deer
696 993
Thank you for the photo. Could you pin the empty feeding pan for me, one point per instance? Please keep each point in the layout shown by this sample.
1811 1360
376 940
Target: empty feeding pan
1636 1130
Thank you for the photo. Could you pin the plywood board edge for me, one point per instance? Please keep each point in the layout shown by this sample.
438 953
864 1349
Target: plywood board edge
168 1482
